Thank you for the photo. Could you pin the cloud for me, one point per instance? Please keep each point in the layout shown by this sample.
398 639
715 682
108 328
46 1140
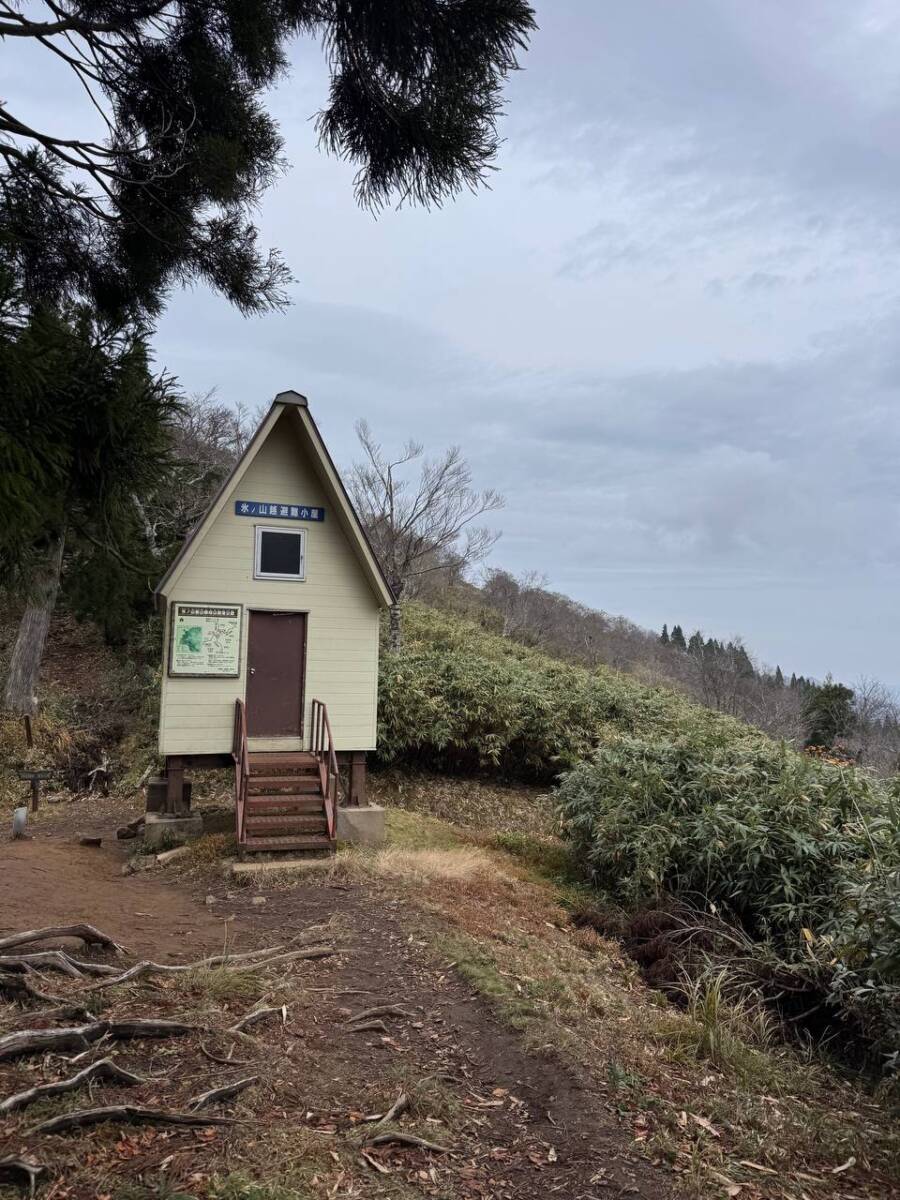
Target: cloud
668 333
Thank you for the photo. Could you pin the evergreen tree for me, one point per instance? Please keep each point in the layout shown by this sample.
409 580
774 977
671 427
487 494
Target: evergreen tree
743 662
779 677
664 636
828 711
695 645
83 431
168 196
676 637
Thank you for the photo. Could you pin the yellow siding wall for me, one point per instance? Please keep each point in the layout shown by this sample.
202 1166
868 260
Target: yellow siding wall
197 715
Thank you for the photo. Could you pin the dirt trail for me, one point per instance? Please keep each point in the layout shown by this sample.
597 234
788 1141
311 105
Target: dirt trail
50 882
533 1129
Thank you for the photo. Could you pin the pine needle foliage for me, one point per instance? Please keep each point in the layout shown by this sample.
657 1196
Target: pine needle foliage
167 195
85 427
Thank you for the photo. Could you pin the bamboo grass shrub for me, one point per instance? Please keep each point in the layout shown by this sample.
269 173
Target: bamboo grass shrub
458 698
803 856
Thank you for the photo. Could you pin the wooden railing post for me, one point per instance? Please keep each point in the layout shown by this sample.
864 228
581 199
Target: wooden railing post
241 758
326 757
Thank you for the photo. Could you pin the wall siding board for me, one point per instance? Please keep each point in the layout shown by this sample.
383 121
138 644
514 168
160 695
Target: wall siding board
196 715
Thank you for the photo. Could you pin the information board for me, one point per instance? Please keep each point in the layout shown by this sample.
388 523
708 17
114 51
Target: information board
206 639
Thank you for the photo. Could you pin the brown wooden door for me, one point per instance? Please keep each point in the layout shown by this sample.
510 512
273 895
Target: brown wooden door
276 665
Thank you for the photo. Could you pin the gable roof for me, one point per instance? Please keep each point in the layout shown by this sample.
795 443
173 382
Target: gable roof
284 402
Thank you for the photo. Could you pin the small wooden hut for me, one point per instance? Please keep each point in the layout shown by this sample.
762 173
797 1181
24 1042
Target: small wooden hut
272 613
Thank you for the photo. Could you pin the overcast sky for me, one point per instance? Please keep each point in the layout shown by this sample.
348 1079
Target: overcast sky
667 334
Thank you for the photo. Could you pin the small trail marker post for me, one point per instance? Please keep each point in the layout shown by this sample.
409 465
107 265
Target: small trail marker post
35 778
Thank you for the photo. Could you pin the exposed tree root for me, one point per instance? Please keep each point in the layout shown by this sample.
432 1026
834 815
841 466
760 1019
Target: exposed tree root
225 1062
18 1171
136 972
255 1017
291 956
17 986
368 1027
405 1139
379 1010
127 1114
148 967
216 1095
104 1069
87 933
77 1037
52 960
400 1105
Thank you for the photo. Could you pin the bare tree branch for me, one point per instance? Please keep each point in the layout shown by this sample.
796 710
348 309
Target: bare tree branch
419 525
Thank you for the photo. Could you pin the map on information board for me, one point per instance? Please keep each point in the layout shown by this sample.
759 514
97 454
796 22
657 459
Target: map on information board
206 639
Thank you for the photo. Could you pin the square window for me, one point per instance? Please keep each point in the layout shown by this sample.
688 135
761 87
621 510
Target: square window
280 553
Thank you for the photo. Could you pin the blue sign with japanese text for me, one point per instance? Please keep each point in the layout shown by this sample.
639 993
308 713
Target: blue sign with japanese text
289 512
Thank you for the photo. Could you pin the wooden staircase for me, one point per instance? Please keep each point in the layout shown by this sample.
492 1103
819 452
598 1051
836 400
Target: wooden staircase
285 801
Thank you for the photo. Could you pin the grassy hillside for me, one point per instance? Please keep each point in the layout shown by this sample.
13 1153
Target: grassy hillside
783 869
457 698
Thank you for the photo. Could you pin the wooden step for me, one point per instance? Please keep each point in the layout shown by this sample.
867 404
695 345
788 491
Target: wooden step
298 822
258 784
281 803
300 760
290 841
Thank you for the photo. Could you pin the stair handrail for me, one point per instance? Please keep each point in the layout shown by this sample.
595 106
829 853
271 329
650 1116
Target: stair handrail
241 756
326 757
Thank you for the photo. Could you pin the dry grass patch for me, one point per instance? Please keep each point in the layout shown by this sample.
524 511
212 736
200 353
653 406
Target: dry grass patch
208 850
218 985
705 1088
463 864
473 803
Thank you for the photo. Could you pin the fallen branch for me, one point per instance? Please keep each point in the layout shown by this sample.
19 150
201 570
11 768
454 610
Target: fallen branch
255 1017
127 1114
368 1027
379 1010
87 933
78 1037
17 1170
104 1069
216 1095
405 1139
374 1163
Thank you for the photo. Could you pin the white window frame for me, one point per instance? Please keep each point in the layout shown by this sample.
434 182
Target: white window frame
258 572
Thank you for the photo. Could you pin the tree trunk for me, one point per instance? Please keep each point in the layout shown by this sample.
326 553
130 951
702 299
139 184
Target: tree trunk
395 638
25 664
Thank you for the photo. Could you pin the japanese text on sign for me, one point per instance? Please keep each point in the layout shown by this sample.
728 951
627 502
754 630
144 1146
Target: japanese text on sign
206 639
289 512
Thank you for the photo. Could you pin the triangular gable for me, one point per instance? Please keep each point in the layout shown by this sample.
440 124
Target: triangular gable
331 481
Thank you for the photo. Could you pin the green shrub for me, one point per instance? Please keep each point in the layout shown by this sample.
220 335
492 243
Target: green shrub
803 855
769 834
456 698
